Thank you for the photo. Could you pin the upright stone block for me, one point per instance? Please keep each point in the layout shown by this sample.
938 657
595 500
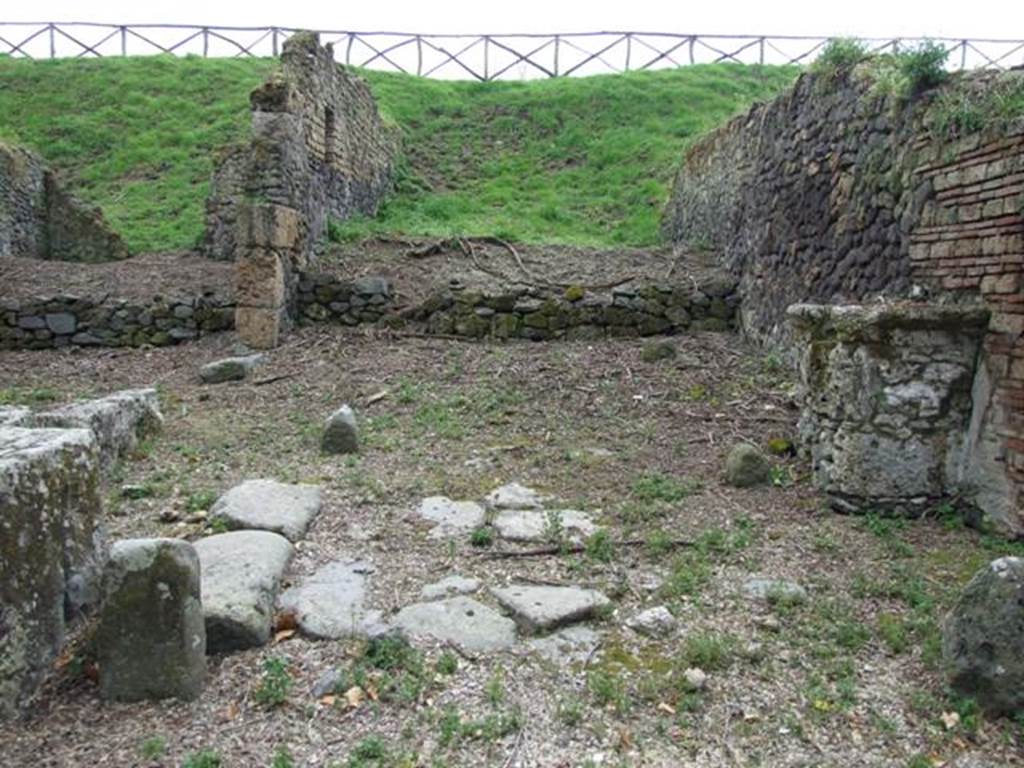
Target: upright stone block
341 432
260 278
983 638
887 400
152 634
259 328
51 549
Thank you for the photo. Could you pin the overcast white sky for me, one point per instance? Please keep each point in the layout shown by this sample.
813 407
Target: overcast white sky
878 18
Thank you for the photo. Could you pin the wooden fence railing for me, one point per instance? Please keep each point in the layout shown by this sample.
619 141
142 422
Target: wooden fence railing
480 57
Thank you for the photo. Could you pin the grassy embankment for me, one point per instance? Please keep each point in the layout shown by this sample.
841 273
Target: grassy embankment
579 160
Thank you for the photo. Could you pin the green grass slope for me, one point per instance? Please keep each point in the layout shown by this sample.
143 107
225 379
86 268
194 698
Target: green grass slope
135 136
580 160
574 160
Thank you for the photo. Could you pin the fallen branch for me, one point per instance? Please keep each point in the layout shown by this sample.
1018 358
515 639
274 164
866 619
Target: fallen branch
574 549
515 255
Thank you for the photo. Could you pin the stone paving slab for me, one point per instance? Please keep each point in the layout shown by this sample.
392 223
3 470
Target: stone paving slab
240 578
538 609
453 518
330 604
535 525
514 496
268 505
570 644
450 586
467 623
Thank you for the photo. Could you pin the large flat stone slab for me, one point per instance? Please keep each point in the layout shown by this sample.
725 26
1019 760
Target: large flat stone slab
268 505
453 518
152 636
539 525
467 623
514 496
51 550
450 586
330 603
241 576
538 609
574 644
119 421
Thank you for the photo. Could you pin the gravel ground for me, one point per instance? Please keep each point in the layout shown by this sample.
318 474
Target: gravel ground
849 677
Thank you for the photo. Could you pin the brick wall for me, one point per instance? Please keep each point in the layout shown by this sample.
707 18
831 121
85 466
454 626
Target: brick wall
969 240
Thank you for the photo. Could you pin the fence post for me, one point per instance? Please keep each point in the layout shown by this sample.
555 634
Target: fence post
273 41
693 39
53 43
206 42
487 58
419 56
557 42
963 55
124 41
760 46
348 48
629 49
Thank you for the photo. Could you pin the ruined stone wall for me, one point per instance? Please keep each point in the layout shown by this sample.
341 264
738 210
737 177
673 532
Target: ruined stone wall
47 322
637 308
318 145
41 220
805 197
319 150
830 194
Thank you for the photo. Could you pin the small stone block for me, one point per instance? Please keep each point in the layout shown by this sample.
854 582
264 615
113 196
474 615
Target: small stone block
152 638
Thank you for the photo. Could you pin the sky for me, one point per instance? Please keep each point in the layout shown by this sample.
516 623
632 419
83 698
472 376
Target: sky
868 18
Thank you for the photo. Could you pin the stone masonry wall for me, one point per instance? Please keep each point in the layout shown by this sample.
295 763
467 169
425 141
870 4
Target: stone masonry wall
319 145
41 220
805 196
319 150
829 194
62 321
969 241
632 309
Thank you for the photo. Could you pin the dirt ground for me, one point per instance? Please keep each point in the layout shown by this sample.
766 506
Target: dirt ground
847 677
415 268
170 275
